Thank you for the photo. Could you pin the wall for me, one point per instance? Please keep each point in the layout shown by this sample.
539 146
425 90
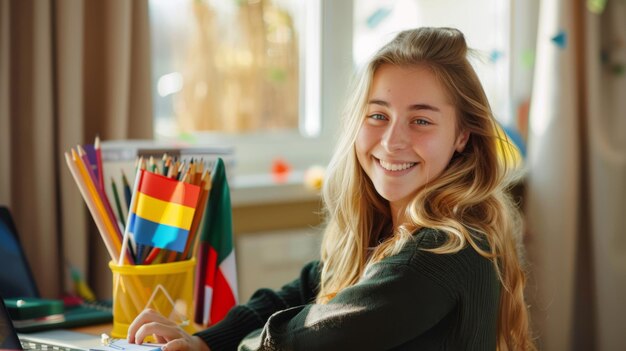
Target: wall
275 238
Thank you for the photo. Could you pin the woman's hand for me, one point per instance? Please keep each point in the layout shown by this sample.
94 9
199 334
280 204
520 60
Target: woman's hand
150 322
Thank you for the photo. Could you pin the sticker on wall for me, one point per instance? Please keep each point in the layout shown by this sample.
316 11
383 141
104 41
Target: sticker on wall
495 55
560 39
377 17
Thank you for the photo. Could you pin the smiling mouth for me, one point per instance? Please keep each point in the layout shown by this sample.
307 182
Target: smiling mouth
395 167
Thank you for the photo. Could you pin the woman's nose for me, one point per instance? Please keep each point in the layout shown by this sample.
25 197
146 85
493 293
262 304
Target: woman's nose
396 137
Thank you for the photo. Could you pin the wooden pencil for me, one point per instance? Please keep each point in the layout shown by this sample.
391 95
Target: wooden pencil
152 165
207 189
152 255
163 161
82 187
99 162
118 203
199 172
130 212
127 192
101 192
197 218
166 165
91 187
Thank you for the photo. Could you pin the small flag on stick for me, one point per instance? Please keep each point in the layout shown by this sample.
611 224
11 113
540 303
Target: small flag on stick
216 276
163 212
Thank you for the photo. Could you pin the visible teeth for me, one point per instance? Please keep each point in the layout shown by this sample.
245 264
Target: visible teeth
396 167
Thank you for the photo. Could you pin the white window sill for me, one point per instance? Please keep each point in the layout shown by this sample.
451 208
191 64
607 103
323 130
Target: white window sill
259 189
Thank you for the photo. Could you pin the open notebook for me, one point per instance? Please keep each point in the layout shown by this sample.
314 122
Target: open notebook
16 281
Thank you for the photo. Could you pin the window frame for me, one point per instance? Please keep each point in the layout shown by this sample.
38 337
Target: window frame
328 31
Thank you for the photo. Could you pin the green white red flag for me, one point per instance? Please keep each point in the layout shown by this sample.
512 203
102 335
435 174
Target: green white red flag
216 275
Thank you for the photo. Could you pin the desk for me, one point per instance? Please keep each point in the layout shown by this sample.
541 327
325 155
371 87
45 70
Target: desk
96 329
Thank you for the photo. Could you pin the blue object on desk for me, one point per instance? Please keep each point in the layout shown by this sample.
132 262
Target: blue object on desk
16 281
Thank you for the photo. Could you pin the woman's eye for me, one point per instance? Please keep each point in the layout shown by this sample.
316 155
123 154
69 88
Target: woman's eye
421 122
377 116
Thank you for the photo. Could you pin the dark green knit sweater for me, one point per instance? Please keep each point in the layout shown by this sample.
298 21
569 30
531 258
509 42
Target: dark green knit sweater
415 300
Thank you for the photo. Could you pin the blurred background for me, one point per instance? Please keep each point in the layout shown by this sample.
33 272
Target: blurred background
267 78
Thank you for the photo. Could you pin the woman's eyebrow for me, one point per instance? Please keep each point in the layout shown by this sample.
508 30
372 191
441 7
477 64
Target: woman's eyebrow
379 102
418 107
415 107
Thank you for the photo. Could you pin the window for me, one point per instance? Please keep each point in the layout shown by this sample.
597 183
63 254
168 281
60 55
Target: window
485 24
241 73
502 34
288 106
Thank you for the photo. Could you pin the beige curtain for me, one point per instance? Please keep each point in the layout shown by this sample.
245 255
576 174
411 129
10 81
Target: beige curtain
606 115
553 182
576 190
69 70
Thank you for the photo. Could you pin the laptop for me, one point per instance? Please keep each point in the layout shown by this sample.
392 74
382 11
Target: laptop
62 340
17 282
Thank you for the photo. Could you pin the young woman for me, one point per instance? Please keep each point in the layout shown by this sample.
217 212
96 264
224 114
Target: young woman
420 247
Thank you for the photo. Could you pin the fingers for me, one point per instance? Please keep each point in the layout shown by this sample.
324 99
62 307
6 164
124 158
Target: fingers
165 332
184 344
159 339
145 317
176 345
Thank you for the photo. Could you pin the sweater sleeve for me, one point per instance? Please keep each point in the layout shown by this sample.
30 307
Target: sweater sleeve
244 319
392 304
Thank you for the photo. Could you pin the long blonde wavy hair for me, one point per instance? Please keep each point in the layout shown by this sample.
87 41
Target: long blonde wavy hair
469 199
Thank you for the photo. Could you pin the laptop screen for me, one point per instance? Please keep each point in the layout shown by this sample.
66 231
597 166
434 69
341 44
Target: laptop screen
15 276
8 336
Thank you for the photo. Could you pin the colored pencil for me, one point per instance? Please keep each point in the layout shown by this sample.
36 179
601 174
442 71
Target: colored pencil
127 191
199 172
205 184
142 250
132 204
166 166
163 161
96 146
101 191
152 255
111 227
90 169
82 187
118 204
180 172
153 165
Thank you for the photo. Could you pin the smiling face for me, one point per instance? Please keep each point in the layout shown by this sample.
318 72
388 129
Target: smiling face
409 133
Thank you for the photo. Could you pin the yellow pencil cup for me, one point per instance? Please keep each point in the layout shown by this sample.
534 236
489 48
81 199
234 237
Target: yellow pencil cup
166 288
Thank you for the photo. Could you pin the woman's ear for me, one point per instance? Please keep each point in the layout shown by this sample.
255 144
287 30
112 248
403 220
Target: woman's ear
461 140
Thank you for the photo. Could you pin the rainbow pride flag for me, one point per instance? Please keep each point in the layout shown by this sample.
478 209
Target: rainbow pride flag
163 212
